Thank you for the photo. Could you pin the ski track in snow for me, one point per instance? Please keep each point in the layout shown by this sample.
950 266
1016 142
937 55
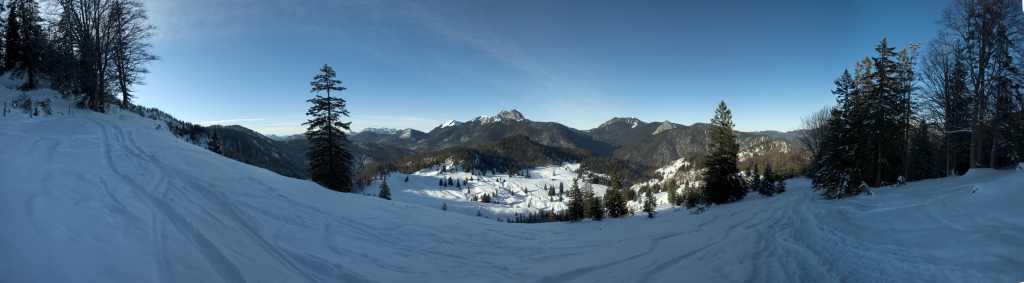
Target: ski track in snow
104 197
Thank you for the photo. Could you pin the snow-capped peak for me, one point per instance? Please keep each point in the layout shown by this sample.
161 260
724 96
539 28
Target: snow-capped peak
634 122
451 123
511 115
382 131
504 115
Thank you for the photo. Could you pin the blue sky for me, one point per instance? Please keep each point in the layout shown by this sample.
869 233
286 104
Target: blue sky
416 64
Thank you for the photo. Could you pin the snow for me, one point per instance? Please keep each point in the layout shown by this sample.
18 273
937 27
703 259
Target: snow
451 123
382 131
112 198
673 167
406 134
629 120
504 115
529 193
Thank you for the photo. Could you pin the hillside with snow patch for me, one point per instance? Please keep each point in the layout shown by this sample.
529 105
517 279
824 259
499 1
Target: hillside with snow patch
117 198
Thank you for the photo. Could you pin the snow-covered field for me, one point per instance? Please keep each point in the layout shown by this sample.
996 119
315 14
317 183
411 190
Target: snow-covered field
111 198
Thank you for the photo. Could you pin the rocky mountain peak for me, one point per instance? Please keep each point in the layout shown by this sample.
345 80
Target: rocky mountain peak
450 123
628 120
511 115
382 131
665 126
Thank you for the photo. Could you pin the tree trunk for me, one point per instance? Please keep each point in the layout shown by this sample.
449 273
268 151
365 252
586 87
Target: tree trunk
992 154
878 166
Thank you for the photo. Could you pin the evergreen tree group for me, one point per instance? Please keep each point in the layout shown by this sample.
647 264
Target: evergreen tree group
770 183
895 121
864 143
214 144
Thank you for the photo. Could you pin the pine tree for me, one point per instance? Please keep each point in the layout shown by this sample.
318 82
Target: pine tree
837 176
24 41
615 200
921 155
385 191
672 196
440 182
592 203
444 207
12 38
767 183
649 204
721 180
406 179
692 197
214 144
756 181
330 162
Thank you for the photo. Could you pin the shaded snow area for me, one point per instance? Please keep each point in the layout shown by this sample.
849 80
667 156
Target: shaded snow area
113 198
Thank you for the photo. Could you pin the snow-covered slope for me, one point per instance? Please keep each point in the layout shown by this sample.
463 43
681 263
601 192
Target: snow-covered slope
382 131
450 123
113 198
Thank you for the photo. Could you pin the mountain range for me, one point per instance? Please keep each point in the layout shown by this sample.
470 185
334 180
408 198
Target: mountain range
654 144
651 144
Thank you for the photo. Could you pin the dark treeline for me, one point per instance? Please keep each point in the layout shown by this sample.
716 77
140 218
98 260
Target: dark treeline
90 50
895 121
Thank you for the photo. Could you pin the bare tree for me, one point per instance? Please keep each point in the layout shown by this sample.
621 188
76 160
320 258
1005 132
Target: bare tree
109 40
946 99
814 127
988 30
129 45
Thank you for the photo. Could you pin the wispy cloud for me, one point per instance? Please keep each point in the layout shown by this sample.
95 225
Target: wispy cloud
513 68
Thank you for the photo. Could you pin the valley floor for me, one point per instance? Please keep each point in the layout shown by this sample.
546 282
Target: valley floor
111 198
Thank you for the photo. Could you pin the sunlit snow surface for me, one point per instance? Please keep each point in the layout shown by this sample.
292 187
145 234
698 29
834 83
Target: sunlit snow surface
110 198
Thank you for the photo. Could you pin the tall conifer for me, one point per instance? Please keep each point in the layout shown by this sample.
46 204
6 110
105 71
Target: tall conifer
330 162
385 190
721 180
